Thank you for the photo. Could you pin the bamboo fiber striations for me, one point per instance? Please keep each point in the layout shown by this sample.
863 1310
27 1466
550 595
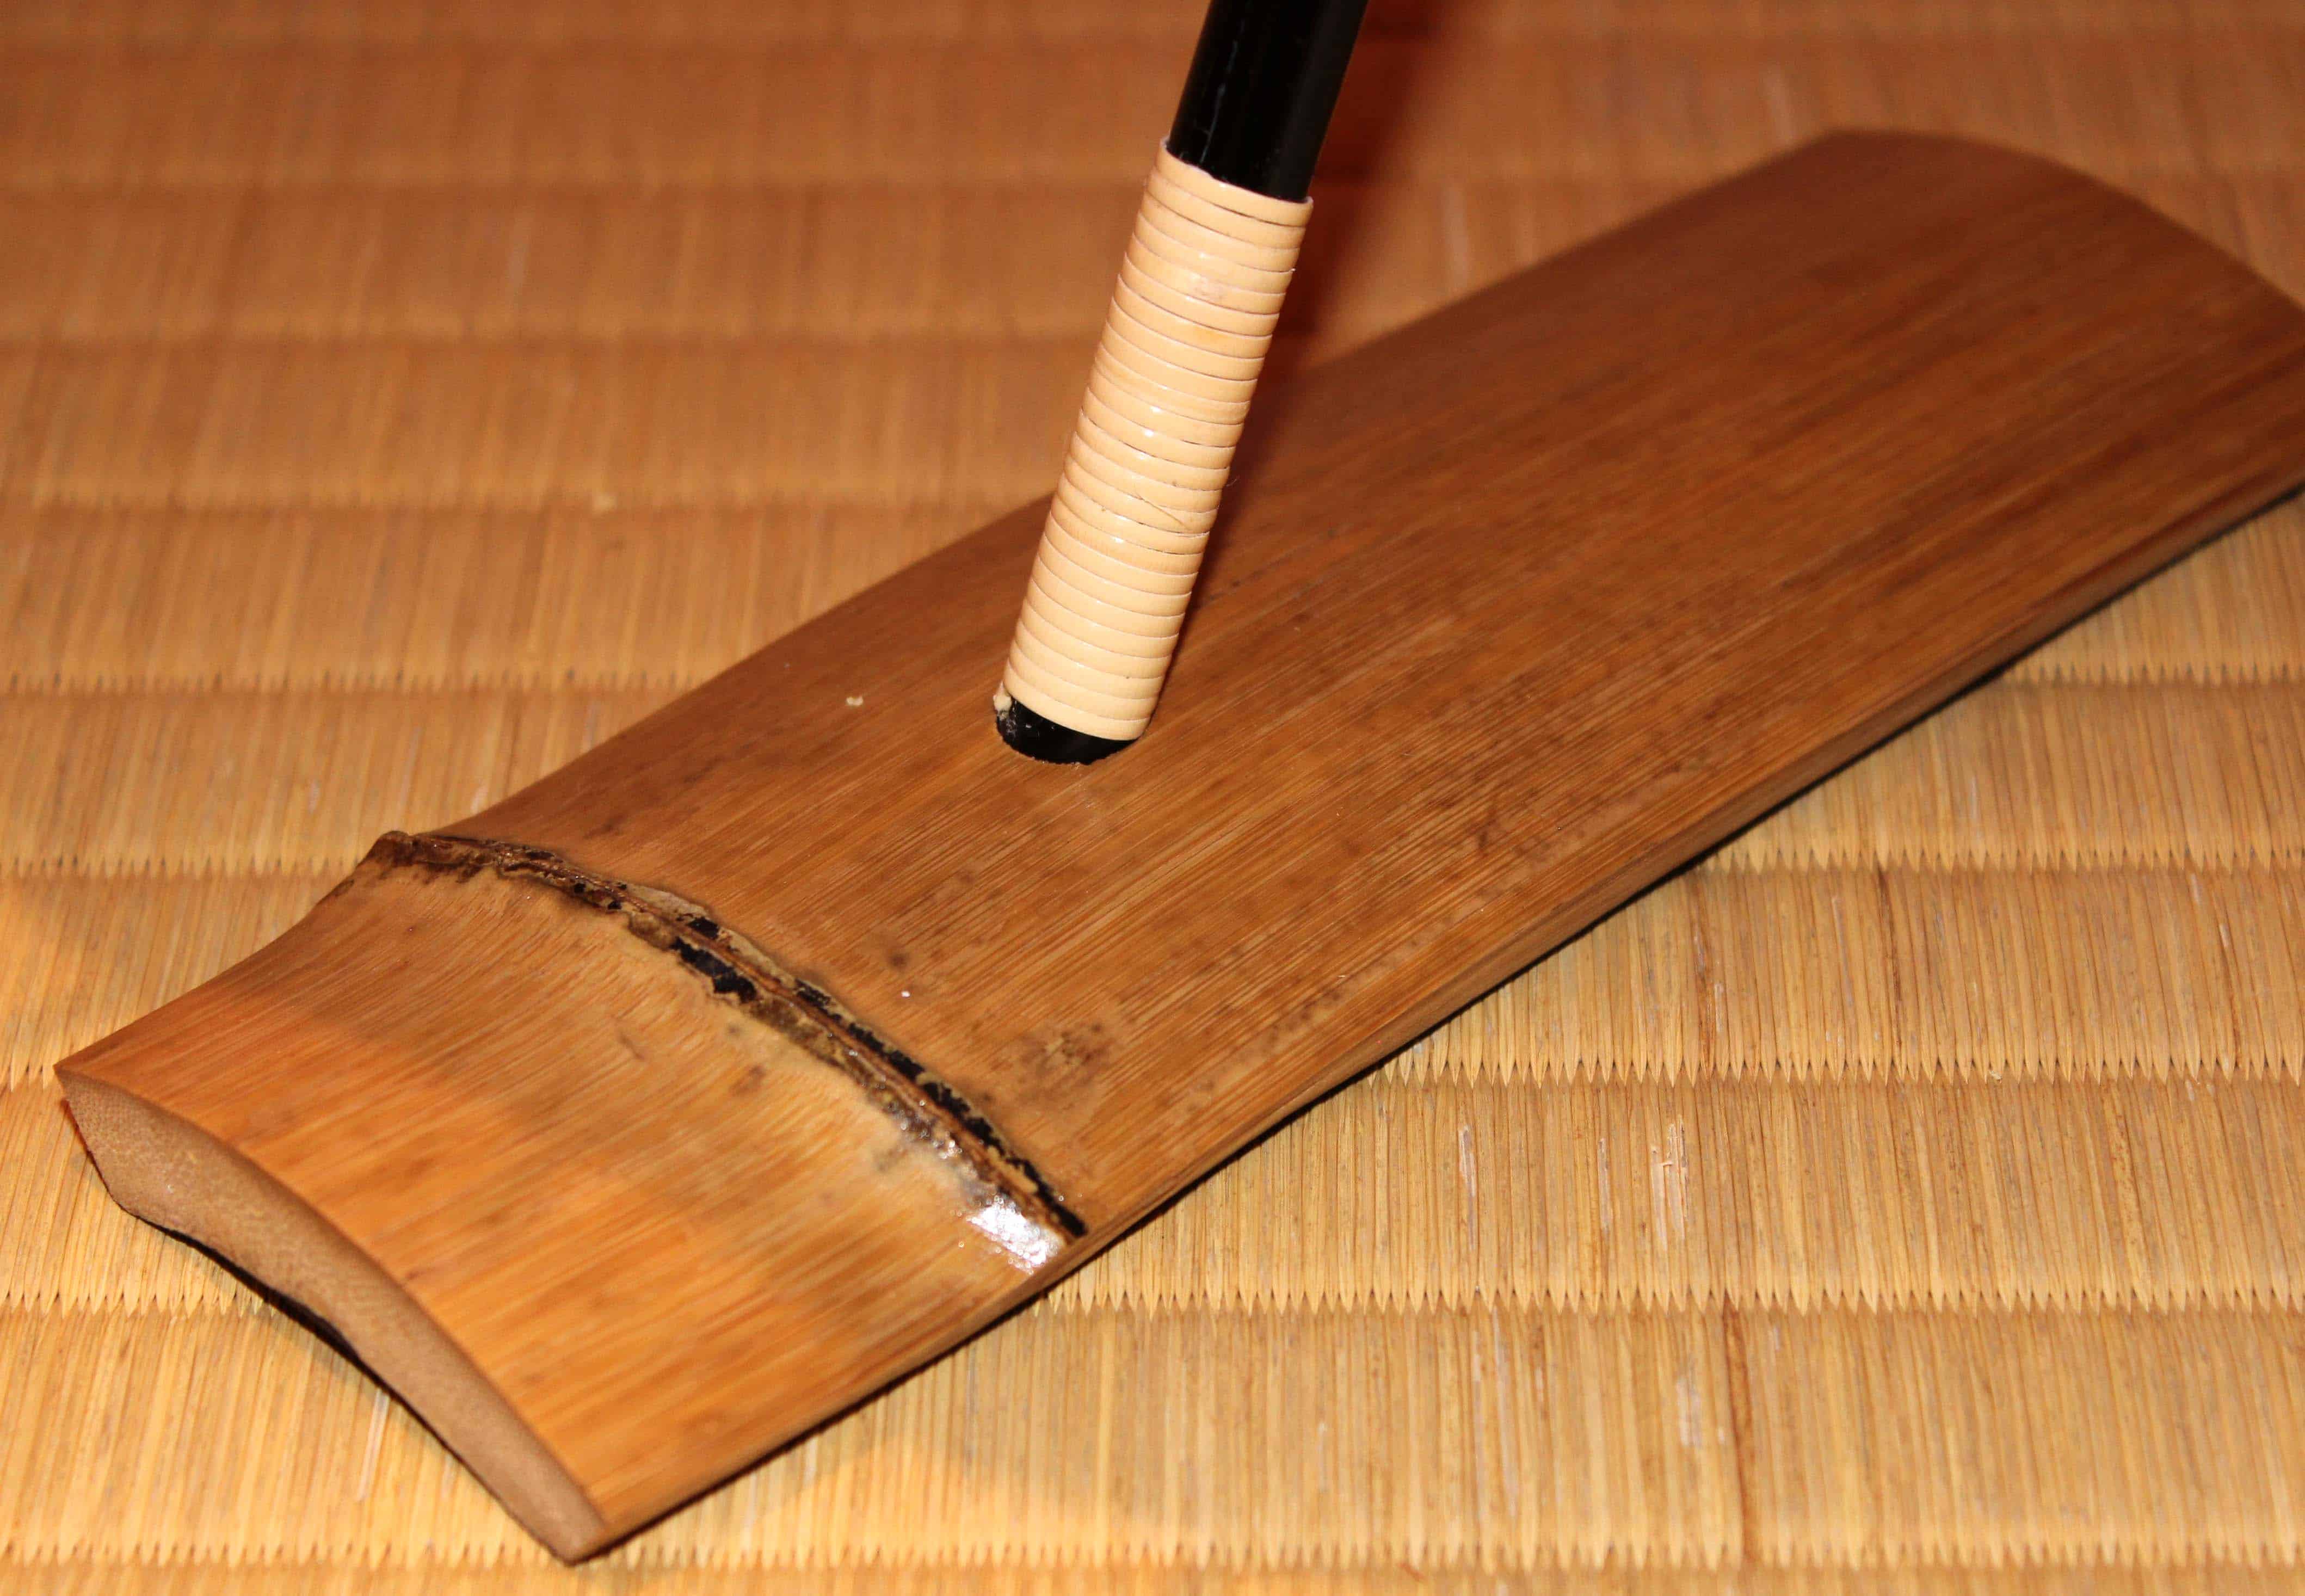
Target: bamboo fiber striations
1939 1141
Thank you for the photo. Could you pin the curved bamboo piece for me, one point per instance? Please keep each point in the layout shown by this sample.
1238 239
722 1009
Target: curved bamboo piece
648 1117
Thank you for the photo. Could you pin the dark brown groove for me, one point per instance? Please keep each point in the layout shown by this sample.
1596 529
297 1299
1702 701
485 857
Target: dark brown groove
739 969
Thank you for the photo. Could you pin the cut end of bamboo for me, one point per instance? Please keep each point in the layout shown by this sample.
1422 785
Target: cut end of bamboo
611 1251
1191 317
169 1172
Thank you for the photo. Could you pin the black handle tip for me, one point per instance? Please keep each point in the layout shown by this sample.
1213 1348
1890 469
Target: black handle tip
1037 737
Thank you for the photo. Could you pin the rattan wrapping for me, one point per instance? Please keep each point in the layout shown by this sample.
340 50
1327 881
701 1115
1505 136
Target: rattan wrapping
1193 315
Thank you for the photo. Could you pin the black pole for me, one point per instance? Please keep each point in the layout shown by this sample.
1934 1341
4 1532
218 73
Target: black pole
1264 82
1256 105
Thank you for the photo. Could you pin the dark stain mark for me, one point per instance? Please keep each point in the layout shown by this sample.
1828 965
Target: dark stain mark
928 1107
723 976
948 1099
1081 1052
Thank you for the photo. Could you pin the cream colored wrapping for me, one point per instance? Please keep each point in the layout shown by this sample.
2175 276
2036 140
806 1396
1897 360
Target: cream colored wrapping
1191 315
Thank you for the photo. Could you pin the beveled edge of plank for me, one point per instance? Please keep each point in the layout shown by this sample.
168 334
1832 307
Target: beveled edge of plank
169 1172
394 1116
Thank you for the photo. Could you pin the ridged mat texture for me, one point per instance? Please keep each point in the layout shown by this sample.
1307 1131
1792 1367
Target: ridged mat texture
395 398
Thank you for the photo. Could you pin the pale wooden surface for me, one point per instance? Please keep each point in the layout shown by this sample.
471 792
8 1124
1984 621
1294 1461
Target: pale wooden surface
394 400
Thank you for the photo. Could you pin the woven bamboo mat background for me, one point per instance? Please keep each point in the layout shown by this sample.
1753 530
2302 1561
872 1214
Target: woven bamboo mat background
398 397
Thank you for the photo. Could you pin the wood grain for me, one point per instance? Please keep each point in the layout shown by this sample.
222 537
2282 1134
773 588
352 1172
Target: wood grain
622 1188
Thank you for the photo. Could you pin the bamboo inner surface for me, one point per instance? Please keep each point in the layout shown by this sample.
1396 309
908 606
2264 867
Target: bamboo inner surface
393 402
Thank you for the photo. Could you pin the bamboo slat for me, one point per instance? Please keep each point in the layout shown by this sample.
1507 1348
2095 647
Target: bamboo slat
396 397
1897 1194
1708 533
2079 774
614 599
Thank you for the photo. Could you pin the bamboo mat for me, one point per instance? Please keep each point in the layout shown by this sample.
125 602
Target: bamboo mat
396 398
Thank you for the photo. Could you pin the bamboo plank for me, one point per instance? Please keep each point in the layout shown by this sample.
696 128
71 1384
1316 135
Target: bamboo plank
1880 972
591 600
2016 774
1628 1193
1086 1056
